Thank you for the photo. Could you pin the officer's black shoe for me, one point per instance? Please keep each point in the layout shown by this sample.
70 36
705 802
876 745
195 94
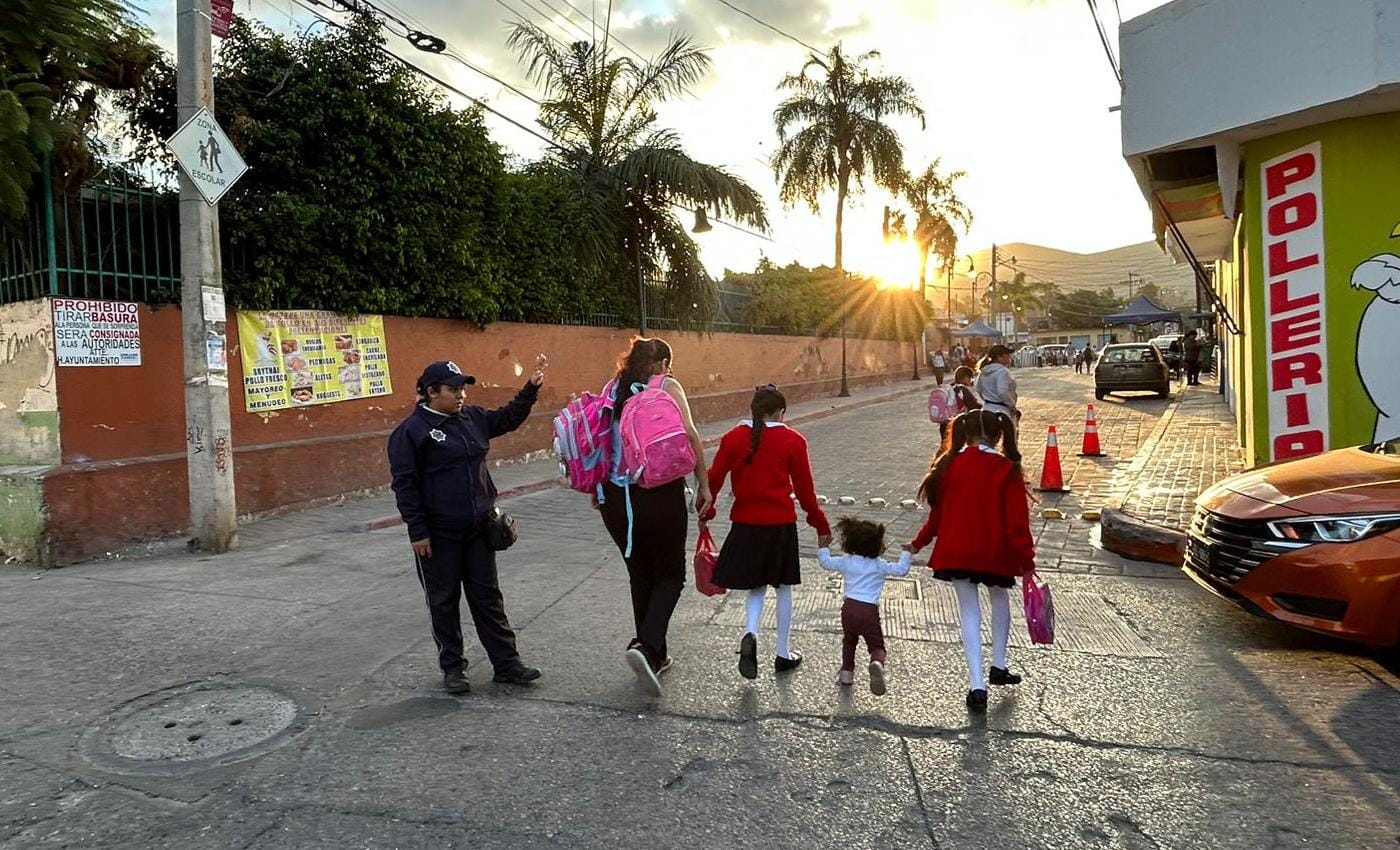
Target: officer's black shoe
455 681
521 675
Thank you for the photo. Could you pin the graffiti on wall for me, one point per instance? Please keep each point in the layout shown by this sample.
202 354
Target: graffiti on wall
28 397
1379 279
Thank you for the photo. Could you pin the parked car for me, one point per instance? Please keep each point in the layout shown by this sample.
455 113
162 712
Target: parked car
1131 366
1164 345
1312 542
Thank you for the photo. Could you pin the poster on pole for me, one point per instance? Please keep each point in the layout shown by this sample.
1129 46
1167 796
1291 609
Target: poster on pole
96 333
298 358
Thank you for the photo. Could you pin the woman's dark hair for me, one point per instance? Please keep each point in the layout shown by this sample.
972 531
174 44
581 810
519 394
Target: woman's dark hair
961 374
767 401
861 536
998 351
635 365
983 426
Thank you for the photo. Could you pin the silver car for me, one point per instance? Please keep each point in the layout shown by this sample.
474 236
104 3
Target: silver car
1131 366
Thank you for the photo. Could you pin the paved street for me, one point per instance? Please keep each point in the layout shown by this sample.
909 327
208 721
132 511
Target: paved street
1162 718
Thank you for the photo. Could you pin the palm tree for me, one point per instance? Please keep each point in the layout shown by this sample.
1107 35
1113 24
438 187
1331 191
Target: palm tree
832 128
1019 295
600 110
938 213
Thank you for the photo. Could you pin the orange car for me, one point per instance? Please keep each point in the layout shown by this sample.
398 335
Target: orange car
1313 542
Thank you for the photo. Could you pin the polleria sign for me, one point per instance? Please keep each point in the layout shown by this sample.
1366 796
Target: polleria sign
1295 303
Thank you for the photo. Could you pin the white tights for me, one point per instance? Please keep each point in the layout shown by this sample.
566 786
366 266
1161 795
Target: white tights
970 612
755 612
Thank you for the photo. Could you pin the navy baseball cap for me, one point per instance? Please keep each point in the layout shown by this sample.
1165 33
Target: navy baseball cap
444 372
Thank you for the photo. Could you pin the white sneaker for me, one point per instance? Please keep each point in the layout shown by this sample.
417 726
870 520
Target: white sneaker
877 678
637 660
846 678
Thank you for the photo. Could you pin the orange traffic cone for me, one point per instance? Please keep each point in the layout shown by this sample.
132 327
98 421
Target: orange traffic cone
1052 480
1091 436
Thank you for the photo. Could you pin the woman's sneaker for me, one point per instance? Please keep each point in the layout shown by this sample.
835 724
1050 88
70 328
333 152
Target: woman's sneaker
1003 676
877 678
637 660
748 656
666 665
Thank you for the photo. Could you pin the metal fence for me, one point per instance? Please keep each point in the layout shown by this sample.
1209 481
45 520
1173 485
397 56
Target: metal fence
114 239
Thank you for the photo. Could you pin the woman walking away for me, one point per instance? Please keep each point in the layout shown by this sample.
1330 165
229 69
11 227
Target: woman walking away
443 488
864 572
768 462
996 386
980 514
649 525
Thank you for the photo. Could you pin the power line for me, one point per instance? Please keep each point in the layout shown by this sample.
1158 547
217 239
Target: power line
611 37
1103 37
787 35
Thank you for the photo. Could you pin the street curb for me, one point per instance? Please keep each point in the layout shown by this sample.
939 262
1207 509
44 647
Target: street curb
380 523
1137 539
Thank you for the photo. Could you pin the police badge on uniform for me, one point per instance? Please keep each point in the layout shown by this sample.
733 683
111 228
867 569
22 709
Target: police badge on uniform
438 435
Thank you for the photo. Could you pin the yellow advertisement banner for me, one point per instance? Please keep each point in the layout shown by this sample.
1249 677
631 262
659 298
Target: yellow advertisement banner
297 358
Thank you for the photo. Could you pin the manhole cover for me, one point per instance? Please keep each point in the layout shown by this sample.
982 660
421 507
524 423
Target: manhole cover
193 727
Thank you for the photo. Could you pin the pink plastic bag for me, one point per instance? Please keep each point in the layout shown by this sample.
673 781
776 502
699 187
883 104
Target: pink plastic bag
1040 608
706 556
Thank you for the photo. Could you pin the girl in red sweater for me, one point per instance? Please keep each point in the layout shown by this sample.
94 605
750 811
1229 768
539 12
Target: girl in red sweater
768 462
979 511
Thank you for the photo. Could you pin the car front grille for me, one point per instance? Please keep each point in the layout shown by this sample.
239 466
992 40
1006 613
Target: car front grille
1226 549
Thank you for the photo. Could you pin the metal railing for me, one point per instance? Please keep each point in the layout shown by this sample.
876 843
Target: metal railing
114 239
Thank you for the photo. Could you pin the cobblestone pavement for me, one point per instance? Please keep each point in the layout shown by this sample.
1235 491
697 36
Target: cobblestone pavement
1195 444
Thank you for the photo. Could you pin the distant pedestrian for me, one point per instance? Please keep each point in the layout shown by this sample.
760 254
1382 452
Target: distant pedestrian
768 463
443 488
864 572
1193 359
651 524
966 397
979 515
940 365
996 386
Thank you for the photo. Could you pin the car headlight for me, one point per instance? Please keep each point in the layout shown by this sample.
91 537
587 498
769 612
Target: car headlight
1339 529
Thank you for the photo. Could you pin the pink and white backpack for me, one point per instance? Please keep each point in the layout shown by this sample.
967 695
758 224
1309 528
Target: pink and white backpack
583 440
656 449
944 404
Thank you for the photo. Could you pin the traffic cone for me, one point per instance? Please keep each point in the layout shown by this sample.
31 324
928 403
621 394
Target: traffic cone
1091 436
1052 480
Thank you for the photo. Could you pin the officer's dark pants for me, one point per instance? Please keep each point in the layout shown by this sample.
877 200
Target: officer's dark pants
656 569
464 562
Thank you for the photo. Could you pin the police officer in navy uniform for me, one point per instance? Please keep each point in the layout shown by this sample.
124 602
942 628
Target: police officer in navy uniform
437 457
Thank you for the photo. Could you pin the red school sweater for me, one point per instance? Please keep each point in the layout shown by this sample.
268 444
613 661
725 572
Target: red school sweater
982 520
763 487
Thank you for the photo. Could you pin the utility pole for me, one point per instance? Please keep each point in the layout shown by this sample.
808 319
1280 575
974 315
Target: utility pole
209 439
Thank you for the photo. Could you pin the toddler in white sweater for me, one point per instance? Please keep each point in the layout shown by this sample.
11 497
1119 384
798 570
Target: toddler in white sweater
865 572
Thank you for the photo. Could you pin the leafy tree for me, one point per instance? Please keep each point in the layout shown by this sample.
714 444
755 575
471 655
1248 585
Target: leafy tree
938 215
832 130
1082 308
57 59
600 110
367 193
799 300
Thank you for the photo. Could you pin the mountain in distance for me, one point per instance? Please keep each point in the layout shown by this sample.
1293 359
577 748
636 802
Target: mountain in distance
1102 270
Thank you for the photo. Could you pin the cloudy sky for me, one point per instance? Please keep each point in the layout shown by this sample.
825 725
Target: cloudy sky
1017 92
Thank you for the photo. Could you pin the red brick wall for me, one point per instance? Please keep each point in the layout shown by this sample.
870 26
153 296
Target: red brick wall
122 430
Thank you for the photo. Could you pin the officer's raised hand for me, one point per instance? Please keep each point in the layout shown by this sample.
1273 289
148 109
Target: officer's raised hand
541 364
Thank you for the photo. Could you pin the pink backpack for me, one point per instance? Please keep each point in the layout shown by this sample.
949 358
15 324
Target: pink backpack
583 442
656 449
943 404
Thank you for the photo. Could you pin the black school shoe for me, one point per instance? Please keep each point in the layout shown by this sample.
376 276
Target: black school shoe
977 701
455 681
1003 676
521 675
748 656
782 665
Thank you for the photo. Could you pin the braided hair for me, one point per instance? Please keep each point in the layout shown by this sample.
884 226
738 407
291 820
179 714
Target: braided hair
975 426
767 402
